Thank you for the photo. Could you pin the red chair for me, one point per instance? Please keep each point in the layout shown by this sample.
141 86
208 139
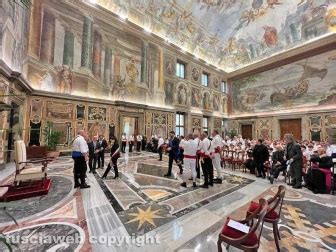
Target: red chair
245 241
273 212
227 157
238 160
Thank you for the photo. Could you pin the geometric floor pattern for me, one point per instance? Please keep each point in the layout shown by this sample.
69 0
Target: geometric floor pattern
143 202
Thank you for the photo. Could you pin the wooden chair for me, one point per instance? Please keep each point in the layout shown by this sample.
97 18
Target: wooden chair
238 160
245 241
227 157
26 170
273 212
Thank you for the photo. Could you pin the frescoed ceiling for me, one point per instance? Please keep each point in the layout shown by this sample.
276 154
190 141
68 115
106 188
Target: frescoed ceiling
230 34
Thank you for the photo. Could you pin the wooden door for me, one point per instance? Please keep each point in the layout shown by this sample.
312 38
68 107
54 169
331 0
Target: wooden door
246 131
292 126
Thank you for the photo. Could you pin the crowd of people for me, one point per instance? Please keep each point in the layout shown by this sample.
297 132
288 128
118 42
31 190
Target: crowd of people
307 163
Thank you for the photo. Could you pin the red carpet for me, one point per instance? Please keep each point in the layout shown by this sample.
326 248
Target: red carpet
27 190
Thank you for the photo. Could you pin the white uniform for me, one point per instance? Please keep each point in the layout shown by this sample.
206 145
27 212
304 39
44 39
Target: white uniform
216 146
190 149
139 138
161 142
80 145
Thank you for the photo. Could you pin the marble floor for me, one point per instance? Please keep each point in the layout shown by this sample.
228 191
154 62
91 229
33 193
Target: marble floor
144 211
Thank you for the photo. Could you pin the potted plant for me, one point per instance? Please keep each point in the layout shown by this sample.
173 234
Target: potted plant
233 133
52 139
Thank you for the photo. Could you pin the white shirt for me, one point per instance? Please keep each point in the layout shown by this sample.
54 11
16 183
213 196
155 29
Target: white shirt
190 148
161 142
182 142
205 147
199 143
80 145
123 138
131 138
217 142
139 138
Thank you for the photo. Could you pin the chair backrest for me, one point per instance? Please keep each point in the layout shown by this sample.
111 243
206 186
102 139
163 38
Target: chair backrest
275 203
20 154
261 211
240 155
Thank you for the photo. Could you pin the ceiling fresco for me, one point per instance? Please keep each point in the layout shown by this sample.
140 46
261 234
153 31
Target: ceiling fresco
230 34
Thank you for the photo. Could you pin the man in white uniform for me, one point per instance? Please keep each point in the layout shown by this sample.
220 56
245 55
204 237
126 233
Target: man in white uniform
80 155
190 149
130 143
198 154
123 142
217 145
139 139
160 147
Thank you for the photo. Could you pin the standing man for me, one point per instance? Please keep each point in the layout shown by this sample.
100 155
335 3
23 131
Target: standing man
181 149
130 143
94 149
173 149
139 139
80 156
198 154
260 156
160 147
206 161
293 154
102 145
190 148
123 142
217 144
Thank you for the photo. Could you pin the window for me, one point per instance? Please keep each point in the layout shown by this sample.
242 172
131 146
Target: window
180 70
179 124
205 79
205 124
224 87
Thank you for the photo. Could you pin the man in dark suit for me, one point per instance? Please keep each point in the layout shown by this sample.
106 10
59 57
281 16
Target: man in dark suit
260 156
173 149
102 145
278 163
94 149
293 154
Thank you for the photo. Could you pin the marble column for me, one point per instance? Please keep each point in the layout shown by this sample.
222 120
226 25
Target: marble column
144 62
107 65
35 28
48 38
161 70
68 53
97 53
87 42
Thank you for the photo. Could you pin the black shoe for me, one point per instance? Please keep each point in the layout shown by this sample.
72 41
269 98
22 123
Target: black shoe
194 184
271 179
259 176
90 171
204 186
190 179
84 186
167 175
181 171
184 184
264 176
210 184
297 187
76 185
218 181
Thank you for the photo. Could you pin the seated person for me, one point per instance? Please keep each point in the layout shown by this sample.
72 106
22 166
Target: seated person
249 162
278 163
319 176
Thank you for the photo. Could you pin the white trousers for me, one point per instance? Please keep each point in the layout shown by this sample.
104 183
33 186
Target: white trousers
189 165
216 162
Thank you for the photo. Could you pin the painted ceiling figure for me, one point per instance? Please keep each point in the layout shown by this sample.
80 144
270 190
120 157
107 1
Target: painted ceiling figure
272 3
270 35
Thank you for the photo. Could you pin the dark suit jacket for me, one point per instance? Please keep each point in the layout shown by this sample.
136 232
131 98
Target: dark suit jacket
324 162
293 150
92 149
278 156
174 145
260 153
103 144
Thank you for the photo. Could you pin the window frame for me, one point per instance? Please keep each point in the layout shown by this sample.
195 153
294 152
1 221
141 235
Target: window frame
207 79
178 125
178 70
205 118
